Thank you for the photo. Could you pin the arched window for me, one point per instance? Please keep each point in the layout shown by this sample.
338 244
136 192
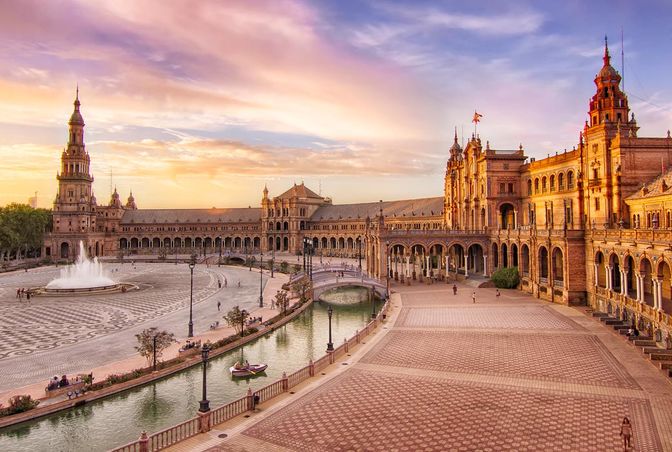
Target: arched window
529 187
543 184
552 183
561 181
570 179
536 185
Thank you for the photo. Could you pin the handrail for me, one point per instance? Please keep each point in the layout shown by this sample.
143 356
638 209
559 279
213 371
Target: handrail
173 435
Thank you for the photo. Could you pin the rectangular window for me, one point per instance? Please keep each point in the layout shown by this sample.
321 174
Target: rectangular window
501 188
597 203
510 188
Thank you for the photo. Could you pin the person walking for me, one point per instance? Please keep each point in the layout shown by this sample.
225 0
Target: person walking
219 283
219 305
454 289
626 434
497 294
473 297
226 282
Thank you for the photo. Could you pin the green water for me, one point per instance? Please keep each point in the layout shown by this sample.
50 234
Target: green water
119 419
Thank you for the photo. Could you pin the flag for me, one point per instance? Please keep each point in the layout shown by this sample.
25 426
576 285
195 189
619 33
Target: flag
477 117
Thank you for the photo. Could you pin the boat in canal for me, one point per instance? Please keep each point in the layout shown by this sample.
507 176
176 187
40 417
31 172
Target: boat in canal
247 371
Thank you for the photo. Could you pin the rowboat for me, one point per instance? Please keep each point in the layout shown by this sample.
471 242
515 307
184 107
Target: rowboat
246 371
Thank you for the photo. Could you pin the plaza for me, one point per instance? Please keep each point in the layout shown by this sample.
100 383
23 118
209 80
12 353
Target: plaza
50 335
506 373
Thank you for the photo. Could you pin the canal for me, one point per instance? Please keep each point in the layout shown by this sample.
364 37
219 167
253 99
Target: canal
104 424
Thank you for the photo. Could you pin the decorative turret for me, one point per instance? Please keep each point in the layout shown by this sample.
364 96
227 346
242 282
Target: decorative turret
130 203
609 104
455 149
115 201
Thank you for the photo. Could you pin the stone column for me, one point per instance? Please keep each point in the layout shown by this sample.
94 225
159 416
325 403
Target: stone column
608 273
596 273
624 283
466 270
428 260
639 288
447 260
485 265
657 294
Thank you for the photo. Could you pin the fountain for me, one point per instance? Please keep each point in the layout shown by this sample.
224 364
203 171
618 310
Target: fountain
84 276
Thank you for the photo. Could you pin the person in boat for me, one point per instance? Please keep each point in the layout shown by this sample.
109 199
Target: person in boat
247 365
237 366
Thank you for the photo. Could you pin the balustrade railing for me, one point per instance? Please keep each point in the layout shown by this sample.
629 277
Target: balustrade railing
170 436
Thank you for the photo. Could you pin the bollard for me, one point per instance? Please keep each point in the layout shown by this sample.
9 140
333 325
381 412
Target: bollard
345 345
285 382
311 368
204 421
143 441
357 336
331 357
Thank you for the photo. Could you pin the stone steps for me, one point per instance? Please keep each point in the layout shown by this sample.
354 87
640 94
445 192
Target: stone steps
660 357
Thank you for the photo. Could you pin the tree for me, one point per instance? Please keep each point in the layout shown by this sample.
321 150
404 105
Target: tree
236 318
284 265
22 228
506 278
146 343
282 300
301 289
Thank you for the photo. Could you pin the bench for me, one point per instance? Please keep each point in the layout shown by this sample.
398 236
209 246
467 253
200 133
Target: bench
49 393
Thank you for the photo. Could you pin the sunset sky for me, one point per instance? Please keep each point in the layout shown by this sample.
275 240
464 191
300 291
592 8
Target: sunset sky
201 103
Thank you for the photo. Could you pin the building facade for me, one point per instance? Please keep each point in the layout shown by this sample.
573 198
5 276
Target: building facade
579 225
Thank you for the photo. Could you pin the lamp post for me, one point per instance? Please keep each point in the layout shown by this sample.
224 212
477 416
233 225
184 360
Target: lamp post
330 344
305 246
373 303
205 403
261 281
359 252
387 257
273 259
192 264
219 262
154 351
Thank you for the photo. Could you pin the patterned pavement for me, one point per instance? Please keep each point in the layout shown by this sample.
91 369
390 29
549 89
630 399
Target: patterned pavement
55 335
513 374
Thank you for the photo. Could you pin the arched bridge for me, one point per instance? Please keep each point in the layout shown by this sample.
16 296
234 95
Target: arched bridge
331 277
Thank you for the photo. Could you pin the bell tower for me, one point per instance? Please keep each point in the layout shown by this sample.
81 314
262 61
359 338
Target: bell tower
75 205
607 117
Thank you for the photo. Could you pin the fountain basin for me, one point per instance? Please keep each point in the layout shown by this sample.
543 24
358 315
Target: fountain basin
70 291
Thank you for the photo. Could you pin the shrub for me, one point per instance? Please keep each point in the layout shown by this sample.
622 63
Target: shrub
19 404
506 278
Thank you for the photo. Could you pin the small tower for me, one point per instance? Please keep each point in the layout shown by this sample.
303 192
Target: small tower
74 206
130 203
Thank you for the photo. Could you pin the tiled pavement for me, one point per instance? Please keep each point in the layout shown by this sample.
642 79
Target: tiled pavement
508 374
62 335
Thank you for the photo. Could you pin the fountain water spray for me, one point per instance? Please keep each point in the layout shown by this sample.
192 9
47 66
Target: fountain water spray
83 274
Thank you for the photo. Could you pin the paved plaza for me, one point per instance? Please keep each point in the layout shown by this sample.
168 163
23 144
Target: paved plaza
506 373
62 335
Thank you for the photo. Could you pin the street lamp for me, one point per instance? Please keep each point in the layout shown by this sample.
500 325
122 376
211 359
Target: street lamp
205 403
373 303
359 252
220 251
192 264
273 259
330 344
261 281
154 351
387 257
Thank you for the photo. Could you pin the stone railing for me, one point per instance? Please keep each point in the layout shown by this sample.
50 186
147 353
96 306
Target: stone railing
657 236
204 423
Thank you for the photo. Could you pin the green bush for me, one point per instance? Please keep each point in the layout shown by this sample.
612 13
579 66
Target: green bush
506 278
19 404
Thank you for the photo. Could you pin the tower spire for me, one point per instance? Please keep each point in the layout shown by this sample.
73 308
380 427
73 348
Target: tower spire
606 58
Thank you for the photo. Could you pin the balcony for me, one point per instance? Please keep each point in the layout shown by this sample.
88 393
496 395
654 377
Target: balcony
595 182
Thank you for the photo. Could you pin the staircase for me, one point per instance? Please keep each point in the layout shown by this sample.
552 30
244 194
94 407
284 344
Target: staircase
660 357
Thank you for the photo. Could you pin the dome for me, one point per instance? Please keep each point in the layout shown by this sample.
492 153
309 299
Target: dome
609 73
93 200
76 117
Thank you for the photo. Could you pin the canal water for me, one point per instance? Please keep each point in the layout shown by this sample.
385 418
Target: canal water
119 419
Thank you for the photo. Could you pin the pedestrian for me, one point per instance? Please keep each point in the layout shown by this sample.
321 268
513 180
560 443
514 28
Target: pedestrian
219 305
28 295
225 282
454 289
473 297
238 283
626 433
18 293
497 294
219 283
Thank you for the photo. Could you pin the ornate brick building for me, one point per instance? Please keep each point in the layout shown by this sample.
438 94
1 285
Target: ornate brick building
579 225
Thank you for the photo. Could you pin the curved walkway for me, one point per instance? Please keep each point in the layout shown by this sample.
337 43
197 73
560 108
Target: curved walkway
506 373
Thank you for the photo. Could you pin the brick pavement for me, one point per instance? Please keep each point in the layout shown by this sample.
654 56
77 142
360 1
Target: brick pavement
521 375
64 335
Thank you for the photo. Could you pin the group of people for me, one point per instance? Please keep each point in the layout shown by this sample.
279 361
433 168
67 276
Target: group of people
253 320
473 294
55 383
239 366
191 344
21 292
